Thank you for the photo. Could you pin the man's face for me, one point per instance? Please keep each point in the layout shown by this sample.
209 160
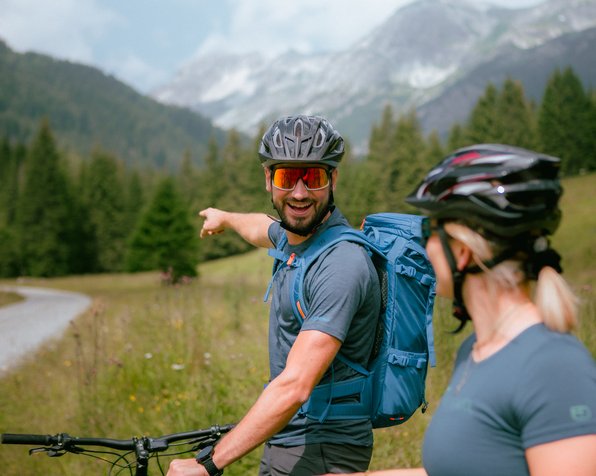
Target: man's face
300 209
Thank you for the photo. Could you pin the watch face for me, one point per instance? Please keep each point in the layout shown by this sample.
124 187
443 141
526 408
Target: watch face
204 453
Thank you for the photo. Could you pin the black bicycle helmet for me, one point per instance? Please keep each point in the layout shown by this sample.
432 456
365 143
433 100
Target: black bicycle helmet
305 139
501 190
508 194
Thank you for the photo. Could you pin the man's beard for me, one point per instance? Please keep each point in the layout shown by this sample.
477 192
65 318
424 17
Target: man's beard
303 226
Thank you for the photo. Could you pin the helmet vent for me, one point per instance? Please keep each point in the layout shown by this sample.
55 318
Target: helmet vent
298 128
277 142
319 138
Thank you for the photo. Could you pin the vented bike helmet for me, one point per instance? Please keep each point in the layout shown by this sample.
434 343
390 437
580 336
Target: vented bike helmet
502 190
301 139
508 194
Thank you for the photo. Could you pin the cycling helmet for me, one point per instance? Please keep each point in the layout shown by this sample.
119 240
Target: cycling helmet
302 139
508 194
504 192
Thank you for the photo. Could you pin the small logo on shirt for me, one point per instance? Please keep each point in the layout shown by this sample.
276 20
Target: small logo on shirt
580 413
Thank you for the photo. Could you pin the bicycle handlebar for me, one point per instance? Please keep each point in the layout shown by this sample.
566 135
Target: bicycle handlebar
154 444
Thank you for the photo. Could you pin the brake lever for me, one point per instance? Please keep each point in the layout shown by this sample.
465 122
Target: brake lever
57 450
53 452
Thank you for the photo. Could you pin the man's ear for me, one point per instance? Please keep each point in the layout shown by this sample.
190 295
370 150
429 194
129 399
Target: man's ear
267 178
334 179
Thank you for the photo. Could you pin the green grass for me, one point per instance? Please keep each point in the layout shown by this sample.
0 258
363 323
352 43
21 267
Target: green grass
114 372
7 298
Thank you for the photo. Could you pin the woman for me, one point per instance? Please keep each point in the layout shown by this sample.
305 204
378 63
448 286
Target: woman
522 397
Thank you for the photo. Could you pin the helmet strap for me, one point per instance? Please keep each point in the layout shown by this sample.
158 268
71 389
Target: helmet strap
459 309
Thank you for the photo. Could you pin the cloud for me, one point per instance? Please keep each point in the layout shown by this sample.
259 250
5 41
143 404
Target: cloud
133 70
271 27
308 26
63 28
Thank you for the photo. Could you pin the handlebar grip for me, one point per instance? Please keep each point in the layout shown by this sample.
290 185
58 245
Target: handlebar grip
22 439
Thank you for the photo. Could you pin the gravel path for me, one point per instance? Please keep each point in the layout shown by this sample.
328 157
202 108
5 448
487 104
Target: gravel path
25 325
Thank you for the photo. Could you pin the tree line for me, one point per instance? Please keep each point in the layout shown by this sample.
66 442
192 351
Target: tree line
62 215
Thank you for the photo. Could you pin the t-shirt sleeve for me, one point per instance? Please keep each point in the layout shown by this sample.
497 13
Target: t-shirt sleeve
336 286
274 232
557 400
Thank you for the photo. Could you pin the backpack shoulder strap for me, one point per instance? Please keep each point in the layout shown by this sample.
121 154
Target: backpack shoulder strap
328 238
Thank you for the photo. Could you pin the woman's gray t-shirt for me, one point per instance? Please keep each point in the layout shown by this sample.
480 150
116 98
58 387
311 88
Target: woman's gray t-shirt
539 388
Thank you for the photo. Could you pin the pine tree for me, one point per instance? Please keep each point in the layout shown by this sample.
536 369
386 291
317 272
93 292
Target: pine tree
515 117
9 253
380 144
255 176
165 239
589 163
9 173
356 192
564 122
381 161
211 182
457 138
238 189
45 218
134 201
187 180
411 161
434 151
104 196
484 125
210 190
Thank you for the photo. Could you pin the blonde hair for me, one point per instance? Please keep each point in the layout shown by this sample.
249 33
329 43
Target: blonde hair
553 297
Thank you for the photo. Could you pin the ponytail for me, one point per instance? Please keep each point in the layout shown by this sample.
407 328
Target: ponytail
555 300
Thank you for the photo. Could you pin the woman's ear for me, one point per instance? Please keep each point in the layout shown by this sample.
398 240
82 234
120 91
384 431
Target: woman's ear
462 254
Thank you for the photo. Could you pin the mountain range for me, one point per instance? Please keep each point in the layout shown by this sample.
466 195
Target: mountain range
433 55
88 109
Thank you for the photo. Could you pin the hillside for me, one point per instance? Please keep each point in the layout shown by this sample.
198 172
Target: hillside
532 67
87 108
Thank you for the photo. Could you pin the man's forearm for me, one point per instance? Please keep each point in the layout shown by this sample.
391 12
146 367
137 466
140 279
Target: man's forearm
252 227
311 355
270 413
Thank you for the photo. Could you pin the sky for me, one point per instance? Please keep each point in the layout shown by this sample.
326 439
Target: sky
144 42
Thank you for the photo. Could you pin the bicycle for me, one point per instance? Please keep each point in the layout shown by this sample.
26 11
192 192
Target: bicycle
144 448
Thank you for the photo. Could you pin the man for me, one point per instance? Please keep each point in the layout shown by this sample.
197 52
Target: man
300 155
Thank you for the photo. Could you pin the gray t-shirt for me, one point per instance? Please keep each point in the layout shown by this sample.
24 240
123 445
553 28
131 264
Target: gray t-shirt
539 388
343 299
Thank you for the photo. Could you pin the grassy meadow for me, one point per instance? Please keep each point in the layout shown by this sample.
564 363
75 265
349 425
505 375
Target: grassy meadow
147 359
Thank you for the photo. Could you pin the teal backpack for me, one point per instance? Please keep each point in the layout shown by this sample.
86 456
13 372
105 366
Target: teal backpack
391 388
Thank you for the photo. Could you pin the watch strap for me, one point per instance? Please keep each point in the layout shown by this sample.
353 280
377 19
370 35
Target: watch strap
213 470
204 457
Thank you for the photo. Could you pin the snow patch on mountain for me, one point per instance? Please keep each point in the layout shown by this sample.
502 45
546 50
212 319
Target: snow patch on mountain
408 60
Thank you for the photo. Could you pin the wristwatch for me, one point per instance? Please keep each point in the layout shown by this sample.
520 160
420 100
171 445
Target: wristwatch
204 457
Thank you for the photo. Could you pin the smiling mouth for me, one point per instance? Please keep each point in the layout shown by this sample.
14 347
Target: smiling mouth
300 208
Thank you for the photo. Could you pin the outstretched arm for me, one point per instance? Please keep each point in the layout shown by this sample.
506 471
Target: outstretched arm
252 227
